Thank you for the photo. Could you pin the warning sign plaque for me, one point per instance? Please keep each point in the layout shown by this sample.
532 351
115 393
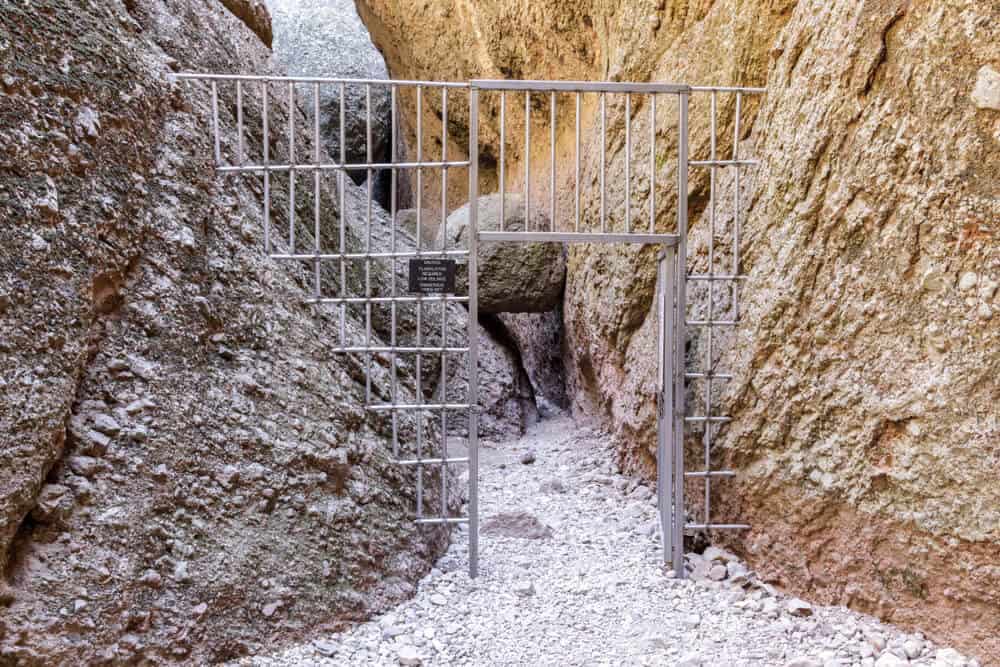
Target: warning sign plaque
432 276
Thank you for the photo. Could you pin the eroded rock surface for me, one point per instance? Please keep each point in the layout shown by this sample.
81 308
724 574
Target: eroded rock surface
864 403
187 472
325 38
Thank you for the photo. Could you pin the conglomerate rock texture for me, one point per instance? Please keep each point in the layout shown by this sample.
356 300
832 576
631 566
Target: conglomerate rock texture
865 403
187 472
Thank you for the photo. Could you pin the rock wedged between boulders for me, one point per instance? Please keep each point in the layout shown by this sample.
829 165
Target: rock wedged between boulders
513 277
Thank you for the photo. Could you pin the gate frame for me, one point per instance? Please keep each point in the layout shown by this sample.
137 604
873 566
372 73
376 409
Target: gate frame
672 274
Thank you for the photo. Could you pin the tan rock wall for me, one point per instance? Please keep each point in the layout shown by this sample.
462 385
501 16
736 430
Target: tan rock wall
866 399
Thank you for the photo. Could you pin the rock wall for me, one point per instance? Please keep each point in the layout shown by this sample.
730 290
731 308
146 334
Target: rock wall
186 471
865 404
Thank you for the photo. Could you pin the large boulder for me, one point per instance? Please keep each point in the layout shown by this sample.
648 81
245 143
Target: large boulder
513 277
325 38
865 395
187 472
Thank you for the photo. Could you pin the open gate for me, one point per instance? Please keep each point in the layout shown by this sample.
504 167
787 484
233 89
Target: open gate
452 406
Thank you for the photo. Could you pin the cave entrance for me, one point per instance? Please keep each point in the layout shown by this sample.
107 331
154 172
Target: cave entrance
406 301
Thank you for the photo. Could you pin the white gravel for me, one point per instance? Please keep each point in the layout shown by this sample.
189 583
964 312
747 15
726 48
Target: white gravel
595 593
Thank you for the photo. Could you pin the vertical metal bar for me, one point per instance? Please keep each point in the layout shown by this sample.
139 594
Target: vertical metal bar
291 168
368 244
736 211
604 122
527 160
707 433
473 333
239 122
343 219
267 173
576 226
652 163
393 383
628 163
419 398
503 159
215 123
665 444
681 332
444 305
316 191
552 159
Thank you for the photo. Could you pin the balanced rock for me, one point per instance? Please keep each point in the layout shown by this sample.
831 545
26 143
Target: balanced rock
513 277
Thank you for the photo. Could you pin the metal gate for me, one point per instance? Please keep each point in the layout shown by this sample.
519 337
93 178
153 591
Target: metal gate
367 294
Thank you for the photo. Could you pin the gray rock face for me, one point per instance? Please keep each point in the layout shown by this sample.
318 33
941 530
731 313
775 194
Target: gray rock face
539 337
198 468
513 277
325 38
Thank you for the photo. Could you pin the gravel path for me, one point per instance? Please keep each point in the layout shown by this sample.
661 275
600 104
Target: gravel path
594 593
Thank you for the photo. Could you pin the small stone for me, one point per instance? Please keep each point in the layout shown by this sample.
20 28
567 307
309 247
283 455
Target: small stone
524 588
106 424
552 486
151 578
948 657
876 640
986 92
392 631
797 607
269 609
528 457
408 655
691 621
439 600
912 648
85 466
96 441
715 553
967 281
985 311
717 573
79 605
690 660
323 647
641 493
890 660
803 662
516 524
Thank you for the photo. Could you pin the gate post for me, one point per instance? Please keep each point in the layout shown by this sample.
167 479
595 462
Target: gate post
665 400
680 333
473 332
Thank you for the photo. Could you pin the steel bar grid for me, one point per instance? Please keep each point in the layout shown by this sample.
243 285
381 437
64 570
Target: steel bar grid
610 226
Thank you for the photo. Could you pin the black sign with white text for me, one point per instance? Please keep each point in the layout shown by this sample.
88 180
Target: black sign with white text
432 276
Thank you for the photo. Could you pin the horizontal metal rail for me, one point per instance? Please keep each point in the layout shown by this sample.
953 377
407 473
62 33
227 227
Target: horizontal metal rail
728 89
313 79
724 163
716 276
409 254
717 526
336 166
710 374
580 86
456 519
427 298
439 461
710 473
401 350
718 420
579 237
418 406
711 323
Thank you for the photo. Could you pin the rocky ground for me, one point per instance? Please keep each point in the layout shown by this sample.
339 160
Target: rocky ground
571 575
